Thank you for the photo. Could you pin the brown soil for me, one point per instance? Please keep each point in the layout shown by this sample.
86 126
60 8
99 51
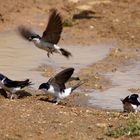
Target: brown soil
34 119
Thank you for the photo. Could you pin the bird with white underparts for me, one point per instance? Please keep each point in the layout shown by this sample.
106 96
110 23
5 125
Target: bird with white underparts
12 86
50 37
131 103
56 85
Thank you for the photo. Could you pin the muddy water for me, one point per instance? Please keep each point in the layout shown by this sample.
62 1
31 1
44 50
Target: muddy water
82 56
128 77
19 58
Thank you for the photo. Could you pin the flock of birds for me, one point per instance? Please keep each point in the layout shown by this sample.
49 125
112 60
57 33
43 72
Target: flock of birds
55 85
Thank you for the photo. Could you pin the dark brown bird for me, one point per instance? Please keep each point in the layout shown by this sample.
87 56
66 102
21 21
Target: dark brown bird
50 37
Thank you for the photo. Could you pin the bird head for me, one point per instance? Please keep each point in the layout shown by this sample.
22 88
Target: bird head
34 37
134 98
44 86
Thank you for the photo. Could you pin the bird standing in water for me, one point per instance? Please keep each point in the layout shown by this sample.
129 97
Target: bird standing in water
50 37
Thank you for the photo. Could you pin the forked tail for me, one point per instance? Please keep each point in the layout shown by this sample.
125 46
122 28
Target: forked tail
25 83
77 85
65 53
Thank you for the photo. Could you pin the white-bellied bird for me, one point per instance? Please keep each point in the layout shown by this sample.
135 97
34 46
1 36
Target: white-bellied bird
56 85
12 86
130 103
51 36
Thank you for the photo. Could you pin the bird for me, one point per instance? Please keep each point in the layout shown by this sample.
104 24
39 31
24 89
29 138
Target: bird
12 86
50 36
55 86
131 103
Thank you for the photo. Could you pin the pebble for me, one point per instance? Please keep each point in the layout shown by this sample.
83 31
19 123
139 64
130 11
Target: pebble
101 125
91 27
74 1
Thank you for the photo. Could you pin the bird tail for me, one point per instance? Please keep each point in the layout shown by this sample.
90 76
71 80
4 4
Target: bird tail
25 83
74 79
77 85
65 53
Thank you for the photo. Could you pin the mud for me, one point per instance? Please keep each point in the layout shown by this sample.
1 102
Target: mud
32 118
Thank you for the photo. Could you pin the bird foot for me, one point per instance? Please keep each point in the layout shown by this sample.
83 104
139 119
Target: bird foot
55 101
12 96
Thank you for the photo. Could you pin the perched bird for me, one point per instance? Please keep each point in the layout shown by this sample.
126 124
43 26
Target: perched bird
11 86
130 103
56 85
50 37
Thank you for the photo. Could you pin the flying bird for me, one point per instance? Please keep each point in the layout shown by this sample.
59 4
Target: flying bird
130 103
50 37
11 86
56 85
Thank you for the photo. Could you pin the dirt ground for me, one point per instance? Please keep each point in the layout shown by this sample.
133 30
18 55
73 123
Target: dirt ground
32 118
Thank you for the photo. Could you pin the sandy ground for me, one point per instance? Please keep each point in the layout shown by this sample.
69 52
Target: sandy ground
32 118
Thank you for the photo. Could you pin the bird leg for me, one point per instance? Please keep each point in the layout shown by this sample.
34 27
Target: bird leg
56 100
3 93
48 54
11 96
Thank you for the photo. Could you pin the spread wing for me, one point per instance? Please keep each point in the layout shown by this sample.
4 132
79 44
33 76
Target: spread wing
61 78
54 28
25 32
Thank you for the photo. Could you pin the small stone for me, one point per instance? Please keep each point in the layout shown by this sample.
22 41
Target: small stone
74 1
126 57
96 85
84 7
41 24
86 94
117 50
132 36
116 20
88 111
101 125
91 27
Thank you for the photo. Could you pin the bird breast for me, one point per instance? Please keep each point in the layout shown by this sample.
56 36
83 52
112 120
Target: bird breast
43 44
65 93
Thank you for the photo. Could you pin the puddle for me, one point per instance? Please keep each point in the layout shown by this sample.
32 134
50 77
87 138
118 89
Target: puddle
19 58
82 56
122 80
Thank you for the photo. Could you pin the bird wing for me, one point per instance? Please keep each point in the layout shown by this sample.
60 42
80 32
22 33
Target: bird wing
126 99
9 83
61 78
131 99
134 101
25 32
54 28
